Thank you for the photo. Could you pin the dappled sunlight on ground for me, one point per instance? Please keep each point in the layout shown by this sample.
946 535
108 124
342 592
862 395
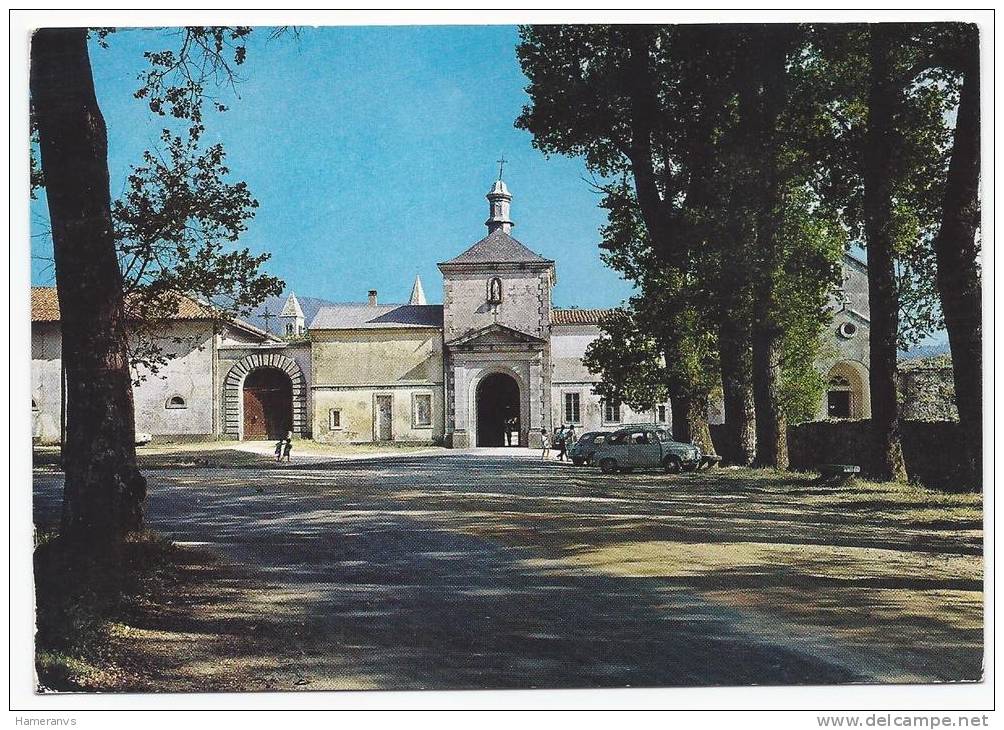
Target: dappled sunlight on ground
501 570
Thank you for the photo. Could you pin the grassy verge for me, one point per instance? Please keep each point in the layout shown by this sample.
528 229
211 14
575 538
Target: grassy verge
79 604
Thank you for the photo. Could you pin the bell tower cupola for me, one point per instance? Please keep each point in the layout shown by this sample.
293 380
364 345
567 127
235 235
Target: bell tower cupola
499 199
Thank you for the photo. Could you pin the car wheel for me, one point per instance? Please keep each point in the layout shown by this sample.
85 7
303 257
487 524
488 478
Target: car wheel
608 466
672 465
578 461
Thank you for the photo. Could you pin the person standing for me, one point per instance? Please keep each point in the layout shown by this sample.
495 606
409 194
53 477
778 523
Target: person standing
510 425
288 447
560 442
545 442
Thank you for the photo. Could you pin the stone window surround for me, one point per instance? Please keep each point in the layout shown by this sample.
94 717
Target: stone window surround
414 411
176 402
565 416
609 421
335 419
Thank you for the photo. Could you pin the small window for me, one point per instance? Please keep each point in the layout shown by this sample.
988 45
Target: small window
421 412
334 419
176 401
661 414
290 330
572 411
34 405
611 412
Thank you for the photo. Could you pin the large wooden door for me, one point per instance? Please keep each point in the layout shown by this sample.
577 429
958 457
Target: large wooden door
268 404
384 415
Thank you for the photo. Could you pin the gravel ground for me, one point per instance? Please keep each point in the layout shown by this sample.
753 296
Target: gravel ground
493 569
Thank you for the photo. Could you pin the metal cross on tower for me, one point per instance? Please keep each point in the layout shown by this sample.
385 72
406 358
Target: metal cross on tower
501 162
266 316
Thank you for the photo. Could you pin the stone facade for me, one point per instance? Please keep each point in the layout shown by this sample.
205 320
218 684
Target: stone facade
495 358
195 395
357 370
927 389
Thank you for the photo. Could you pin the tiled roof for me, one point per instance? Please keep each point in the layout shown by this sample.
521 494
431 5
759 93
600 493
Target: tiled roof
45 308
498 247
579 316
44 304
382 316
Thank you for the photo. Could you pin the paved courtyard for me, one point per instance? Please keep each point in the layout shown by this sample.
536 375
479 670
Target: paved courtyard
495 569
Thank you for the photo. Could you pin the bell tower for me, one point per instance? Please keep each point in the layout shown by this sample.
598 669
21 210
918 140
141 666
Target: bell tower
499 199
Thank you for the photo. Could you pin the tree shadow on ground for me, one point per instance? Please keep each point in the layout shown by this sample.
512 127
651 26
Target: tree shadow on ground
465 572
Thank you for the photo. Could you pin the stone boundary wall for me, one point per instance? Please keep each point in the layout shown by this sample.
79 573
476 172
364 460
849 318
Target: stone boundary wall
932 449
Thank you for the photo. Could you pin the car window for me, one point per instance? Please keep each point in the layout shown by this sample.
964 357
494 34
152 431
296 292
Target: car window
639 438
599 439
663 436
617 438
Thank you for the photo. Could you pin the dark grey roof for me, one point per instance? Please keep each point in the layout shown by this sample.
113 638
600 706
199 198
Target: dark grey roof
498 247
381 316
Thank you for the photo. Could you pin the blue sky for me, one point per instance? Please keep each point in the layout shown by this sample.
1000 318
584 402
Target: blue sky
370 150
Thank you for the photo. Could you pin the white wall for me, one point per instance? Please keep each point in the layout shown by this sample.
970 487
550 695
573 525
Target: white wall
569 375
46 383
189 374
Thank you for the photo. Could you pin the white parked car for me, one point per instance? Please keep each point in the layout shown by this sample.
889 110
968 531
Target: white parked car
645 447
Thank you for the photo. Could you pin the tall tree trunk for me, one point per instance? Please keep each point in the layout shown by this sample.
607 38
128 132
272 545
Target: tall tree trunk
771 422
737 389
770 73
879 158
958 271
690 422
104 491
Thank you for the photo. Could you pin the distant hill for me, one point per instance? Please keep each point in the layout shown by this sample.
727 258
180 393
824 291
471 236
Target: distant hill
939 348
273 305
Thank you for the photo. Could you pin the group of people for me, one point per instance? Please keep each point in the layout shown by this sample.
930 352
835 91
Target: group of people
284 447
563 437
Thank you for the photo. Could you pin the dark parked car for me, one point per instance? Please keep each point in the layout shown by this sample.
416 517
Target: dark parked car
585 446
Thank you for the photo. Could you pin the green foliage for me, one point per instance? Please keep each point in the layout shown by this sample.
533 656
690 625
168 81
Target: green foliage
629 361
177 81
180 217
838 63
671 129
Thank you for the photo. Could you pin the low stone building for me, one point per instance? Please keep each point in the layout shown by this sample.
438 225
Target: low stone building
495 357
199 394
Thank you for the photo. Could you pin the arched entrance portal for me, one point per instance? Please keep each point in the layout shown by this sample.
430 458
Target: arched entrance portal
497 401
268 404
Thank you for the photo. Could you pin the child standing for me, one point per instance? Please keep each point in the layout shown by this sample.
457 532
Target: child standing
545 441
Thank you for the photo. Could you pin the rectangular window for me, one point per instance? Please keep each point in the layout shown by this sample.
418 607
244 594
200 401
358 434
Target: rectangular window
421 410
334 419
661 414
611 412
572 408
